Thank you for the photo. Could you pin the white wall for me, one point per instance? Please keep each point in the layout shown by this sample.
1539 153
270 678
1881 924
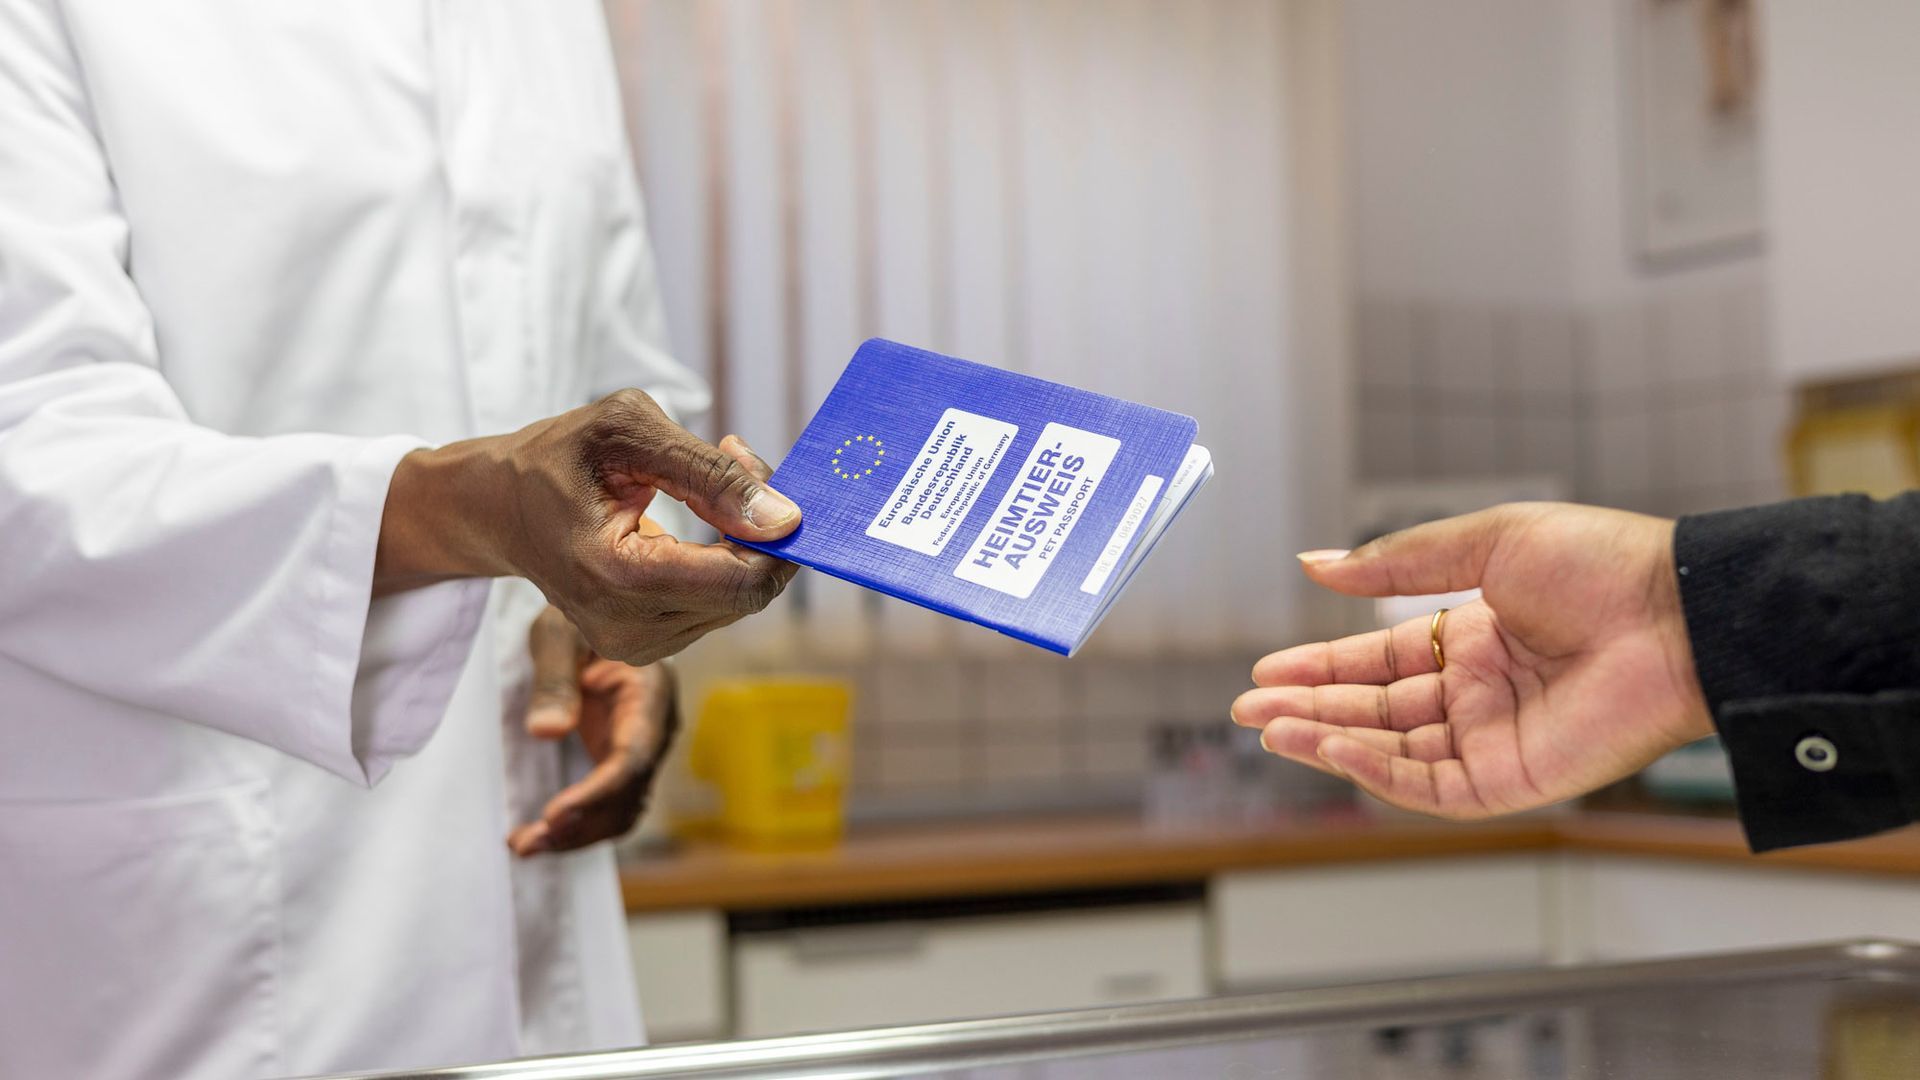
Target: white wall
1487 141
1604 268
1844 179
1459 173
1505 324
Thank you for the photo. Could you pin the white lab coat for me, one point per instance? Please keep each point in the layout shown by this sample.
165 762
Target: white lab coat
252 824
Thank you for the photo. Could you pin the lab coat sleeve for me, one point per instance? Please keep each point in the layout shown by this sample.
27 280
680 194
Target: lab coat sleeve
216 579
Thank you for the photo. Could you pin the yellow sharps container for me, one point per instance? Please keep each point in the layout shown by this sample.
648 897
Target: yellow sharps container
777 752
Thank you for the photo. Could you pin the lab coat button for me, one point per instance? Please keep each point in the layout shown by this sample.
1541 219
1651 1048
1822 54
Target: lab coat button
1816 753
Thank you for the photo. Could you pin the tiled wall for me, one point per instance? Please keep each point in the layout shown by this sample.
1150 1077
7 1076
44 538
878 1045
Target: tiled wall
955 735
1663 403
1684 413
992 733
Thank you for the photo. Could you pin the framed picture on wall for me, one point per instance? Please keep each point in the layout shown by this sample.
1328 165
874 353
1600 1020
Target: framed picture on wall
1694 152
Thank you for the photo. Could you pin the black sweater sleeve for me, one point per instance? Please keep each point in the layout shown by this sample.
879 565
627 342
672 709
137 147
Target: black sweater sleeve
1805 623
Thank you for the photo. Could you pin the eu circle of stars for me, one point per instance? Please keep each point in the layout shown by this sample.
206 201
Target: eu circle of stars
850 458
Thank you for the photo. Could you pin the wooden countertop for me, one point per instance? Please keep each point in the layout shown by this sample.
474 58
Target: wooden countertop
919 862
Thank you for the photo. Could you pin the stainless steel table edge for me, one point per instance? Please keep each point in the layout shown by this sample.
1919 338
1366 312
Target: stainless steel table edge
976 1043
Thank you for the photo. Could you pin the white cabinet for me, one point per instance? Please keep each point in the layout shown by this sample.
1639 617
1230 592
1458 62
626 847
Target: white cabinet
1344 923
1621 908
680 965
833 978
1843 184
1257 929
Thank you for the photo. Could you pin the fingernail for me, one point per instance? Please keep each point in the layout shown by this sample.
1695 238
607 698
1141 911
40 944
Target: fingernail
768 509
1322 555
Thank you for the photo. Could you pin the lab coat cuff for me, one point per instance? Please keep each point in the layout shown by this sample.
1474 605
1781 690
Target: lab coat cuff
416 647
384 669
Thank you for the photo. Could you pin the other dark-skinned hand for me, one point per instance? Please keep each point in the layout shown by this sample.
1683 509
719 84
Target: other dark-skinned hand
626 718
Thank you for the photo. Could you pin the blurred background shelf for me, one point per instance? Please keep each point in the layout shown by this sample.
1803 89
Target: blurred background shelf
1012 856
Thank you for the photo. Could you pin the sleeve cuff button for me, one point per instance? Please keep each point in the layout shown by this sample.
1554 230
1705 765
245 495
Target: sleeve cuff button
1816 753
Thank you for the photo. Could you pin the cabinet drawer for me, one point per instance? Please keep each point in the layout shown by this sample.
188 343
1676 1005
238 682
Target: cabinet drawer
1637 908
680 968
1405 917
839 977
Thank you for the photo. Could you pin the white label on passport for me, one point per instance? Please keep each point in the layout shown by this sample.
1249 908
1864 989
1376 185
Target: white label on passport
1048 497
943 481
1109 560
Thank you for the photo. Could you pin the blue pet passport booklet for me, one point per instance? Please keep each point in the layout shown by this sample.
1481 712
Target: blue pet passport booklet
1013 502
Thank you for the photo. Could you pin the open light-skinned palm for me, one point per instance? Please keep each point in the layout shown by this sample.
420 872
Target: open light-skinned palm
1573 670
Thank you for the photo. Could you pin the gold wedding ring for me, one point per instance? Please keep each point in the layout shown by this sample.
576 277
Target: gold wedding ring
1433 632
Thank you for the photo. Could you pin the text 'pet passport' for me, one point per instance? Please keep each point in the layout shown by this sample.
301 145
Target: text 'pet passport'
1010 501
